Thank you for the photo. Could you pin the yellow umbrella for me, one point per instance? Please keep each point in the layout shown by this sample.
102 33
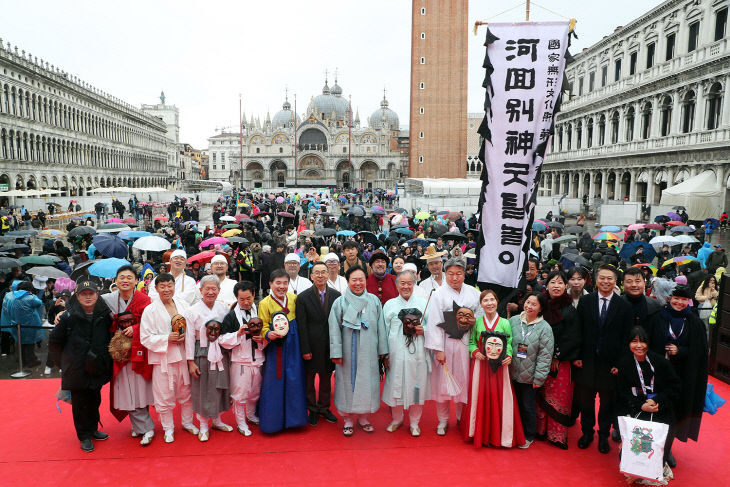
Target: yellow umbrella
231 233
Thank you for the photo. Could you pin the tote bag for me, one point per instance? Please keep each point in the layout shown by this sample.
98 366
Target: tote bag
642 449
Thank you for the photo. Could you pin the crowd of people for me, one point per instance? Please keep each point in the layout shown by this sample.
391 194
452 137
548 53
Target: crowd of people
291 295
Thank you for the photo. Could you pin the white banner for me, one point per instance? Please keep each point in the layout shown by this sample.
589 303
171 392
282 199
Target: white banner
524 64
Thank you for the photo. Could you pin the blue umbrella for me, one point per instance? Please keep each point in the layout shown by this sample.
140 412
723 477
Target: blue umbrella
88 215
714 222
133 234
418 241
107 268
343 199
110 245
629 249
403 231
345 233
538 226
610 228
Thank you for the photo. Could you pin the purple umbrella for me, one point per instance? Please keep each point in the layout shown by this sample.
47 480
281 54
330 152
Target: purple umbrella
280 199
674 216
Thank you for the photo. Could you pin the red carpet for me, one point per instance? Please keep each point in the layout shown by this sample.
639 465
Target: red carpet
39 448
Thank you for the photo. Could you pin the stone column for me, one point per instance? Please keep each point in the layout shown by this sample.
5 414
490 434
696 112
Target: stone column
726 104
604 186
632 185
656 117
650 188
676 124
581 185
700 103
571 185
591 190
621 125
617 186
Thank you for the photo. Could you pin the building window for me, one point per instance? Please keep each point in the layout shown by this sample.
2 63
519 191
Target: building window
214 166
223 167
617 73
580 86
666 116
213 159
630 124
694 36
714 106
420 159
650 49
579 135
602 130
591 81
423 10
646 121
614 127
589 133
604 76
258 150
281 150
421 111
420 135
671 38
423 35
632 62
720 23
422 85
423 60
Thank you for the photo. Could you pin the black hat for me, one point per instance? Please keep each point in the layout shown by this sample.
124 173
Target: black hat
379 255
85 283
682 291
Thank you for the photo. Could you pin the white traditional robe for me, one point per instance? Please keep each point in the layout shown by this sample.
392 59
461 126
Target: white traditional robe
410 366
155 328
299 285
339 284
226 296
185 288
427 285
197 316
456 350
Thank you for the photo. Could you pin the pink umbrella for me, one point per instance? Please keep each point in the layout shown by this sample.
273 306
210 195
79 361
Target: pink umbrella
129 220
213 241
114 220
280 199
635 226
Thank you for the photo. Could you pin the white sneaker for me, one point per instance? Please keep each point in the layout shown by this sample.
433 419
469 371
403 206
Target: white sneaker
192 429
147 438
245 431
47 371
441 429
134 434
526 445
203 435
169 437
253 419
222 427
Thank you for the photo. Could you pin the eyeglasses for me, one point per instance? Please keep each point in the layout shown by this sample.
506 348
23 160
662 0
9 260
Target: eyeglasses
319 273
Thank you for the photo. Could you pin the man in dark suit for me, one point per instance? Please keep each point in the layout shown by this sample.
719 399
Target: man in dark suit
605 320
313 310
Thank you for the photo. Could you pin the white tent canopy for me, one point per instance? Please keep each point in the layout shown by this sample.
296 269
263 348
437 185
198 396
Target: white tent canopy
701 195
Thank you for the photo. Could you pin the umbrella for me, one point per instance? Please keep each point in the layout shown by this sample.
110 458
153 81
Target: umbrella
212 241
356 211
574 229
635 226
345 233
682 229
110 246
679 208
325 232
246 220
369 237
403 231
630 249
422 215
10 247
686 239
8 262
661 218
377 212
52 233
664 240
285 214
606 236
231 225
46 271
133 234
324 213
129 220
575 259
113 227
377 208
114 220
22 233
152 243
654 226
231 233
107 268
674 216
439 229
202 257
239 240
653 268
37 260
241 216
227 218
712 221
682 260
88 215
442 212
82 230
453 236
400 210
418 241
161 219
306 232
565 238
280 199
674 223
554 224
398 218
538 226
342 199
453 216
76 217
610 228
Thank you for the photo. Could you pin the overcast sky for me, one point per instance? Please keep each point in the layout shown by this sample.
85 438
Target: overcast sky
204 53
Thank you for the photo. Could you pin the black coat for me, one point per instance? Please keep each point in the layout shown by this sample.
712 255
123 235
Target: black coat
652 307
567 334
629 393
602 346
690 363
314 334
79 345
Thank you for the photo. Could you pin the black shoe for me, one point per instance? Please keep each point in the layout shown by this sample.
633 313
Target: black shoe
313 418
87 445
671 461
560 444
603 445
585 441
328 416
541 437
616 436
99 435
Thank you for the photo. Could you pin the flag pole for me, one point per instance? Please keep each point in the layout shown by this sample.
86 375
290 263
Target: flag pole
527 10
295 139
349 138
240 138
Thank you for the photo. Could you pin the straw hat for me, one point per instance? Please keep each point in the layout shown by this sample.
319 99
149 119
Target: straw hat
432 254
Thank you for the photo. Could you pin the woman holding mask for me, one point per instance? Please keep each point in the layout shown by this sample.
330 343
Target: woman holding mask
555 399
492 412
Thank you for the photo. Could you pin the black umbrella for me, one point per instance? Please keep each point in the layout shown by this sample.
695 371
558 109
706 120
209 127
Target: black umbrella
240 240
21 233
400 210
369 237
453 236
577 259
326 213
439 229
80 269
679 208
111 246
575 229
325 232
7 263
356 211
81 230
8 248
554 224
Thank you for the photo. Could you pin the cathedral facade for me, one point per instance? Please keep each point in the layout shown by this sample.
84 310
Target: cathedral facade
324 147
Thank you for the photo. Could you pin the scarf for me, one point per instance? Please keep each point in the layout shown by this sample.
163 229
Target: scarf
676 320
552 313
215 357
355 305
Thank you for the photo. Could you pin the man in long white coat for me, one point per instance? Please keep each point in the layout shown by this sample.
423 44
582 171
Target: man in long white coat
450 351
407 383
185 286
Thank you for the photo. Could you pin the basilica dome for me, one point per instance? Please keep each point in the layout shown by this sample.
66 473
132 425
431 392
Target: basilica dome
384 116
329 102
283 117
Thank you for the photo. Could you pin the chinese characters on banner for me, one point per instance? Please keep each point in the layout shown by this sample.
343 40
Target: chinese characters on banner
527 61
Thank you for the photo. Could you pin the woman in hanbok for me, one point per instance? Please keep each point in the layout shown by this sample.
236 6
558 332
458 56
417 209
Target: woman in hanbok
407 383
209 375
357 341
492 413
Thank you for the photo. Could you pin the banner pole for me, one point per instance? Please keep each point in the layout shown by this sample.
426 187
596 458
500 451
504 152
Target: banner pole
527 10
